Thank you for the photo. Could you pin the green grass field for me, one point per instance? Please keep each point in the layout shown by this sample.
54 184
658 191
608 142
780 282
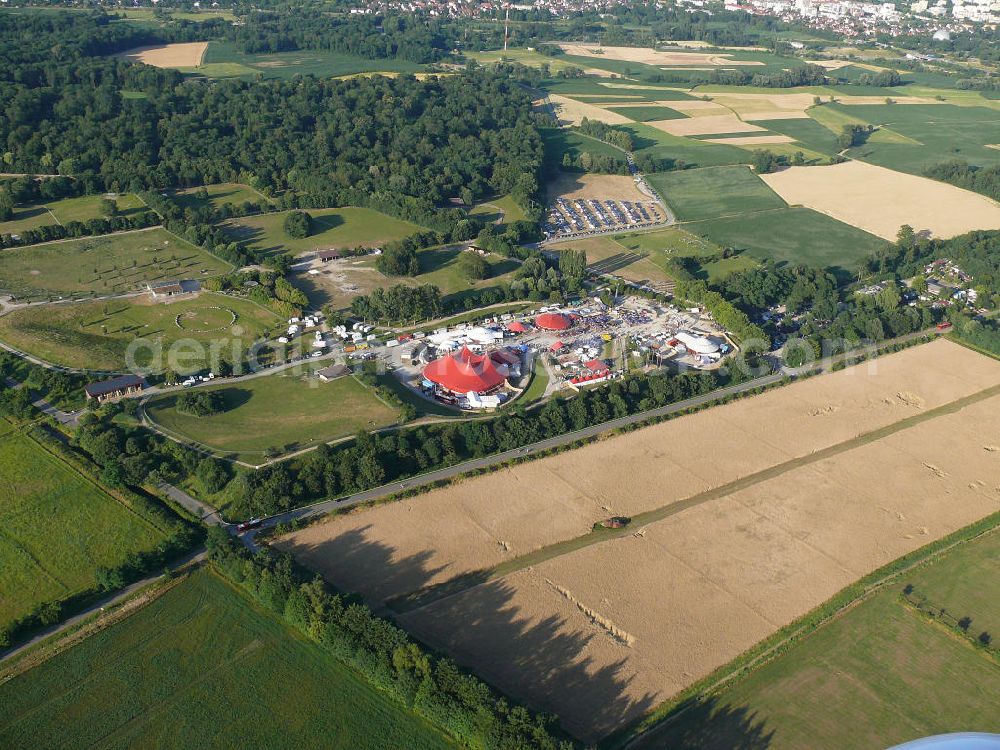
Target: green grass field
646 114
219 195
559 141
223 60
58 528
668 245
333 228
593 86
935 133
502 210
64 211
696 194
201 666
809 133
108 264
279 413
878 675
792 235
96 335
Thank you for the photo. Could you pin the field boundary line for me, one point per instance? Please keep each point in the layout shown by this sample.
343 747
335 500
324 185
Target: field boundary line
935 622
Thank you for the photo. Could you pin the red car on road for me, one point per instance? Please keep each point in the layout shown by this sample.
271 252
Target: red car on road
253 523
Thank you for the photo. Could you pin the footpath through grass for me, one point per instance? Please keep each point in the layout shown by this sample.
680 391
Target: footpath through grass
58 527
202 667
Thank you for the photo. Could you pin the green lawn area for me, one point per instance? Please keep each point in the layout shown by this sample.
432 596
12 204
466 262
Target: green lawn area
96 334
224 60
702 258
559 141
646 114
283 412
58 528
105 265
876 676
934 133
792 235
219 195
333 228
696 194
202 666
65 210
502 210
809 133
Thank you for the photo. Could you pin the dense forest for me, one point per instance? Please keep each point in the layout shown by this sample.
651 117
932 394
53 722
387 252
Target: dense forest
334 142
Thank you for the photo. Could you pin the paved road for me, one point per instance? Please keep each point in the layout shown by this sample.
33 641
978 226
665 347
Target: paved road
195 557
62 417
202 511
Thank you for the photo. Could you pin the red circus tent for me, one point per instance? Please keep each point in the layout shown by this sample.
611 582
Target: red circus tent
553 322
517 327
465 371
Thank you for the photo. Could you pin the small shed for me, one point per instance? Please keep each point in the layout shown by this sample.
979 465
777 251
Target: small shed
333 372
114 389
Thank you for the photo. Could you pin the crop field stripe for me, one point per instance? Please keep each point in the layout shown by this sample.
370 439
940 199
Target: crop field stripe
429 595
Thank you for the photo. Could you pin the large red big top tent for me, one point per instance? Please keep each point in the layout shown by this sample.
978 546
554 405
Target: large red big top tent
465 371
553 322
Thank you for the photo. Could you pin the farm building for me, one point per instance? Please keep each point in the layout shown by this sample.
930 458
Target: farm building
328 255
466 372
166 289
333 372
111 390
553 322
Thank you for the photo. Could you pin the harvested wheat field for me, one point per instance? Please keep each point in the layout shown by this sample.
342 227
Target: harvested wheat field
727 551
600 186
880 200
649 56
753 140
766 106
711 125
183 55
571 112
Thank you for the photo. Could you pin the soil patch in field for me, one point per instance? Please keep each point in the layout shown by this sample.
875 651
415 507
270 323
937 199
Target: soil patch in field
183 55
599 186
880 200
570 111
710 125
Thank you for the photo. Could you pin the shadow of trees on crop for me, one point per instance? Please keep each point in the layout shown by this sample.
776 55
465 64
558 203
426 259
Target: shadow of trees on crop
709 725
554 663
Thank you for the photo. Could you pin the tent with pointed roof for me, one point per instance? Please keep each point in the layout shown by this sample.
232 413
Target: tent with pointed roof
553 322
464 372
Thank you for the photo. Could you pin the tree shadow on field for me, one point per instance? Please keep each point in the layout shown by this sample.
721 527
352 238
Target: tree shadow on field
515 634
708 725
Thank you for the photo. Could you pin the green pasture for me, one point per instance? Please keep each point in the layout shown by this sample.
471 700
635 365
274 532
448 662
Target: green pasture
332 228
807 132
503 210
880 674
792 235
59 527
108 264
560 141
96 334
701 258
65 210
647 114
202 666
696 194
835 116
219 195
224 60
277 413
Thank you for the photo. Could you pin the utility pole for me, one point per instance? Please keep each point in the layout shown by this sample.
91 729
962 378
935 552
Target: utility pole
506 22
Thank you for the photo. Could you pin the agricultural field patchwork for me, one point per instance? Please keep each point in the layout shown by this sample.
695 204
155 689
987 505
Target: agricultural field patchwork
108 264
277 413
41 555
889 683
333 228
96 335
224 60
803 503
201 665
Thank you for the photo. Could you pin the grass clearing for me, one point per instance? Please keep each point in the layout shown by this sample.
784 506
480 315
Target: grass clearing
202 666
96 335
881 663
792 235
224 60
332 228
107 264
696 194
65 210
219 195
59 527
277 413
701 258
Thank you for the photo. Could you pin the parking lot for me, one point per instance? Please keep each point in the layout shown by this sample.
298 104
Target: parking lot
581 217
